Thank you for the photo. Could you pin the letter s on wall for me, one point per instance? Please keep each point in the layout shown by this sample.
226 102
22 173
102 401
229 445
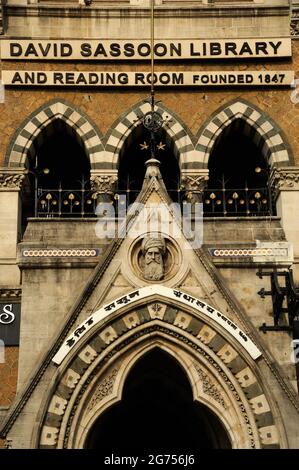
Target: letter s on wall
7 316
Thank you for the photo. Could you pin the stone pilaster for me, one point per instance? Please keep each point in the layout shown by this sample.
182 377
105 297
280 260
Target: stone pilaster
11 182
285 189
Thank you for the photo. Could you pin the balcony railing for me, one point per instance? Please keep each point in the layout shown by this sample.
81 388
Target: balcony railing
216 202
237 202
65 203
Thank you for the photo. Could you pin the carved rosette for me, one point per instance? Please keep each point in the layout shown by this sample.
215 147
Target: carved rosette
11 180
284 179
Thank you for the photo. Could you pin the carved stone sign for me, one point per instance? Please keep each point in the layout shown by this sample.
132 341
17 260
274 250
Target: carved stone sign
10 314
12 49
215 78
169 294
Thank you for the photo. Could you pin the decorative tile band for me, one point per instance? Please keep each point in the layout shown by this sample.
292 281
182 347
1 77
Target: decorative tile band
263 252
248 252
61 253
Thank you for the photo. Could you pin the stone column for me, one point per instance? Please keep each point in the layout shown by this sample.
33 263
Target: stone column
285 185
10 213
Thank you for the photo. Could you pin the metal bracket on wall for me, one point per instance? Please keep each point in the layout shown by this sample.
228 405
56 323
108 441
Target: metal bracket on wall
285 300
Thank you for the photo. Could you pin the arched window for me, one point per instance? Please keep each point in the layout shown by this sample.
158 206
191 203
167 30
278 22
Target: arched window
134 154
238 174
157 411
59 175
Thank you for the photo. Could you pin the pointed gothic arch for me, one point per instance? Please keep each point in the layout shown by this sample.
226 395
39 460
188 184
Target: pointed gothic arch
178 136
30 134
265 133
223 374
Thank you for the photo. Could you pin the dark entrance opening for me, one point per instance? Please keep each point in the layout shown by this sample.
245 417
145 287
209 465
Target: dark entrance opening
157 412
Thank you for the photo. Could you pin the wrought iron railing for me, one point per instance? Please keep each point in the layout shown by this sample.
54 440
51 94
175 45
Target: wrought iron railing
238 202
65 203
216 202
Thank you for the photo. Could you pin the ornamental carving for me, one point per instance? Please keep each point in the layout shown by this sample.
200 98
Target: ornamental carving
194 182
294 28
104 389
10 293
208 387
103 183
10 181
285 179
153 250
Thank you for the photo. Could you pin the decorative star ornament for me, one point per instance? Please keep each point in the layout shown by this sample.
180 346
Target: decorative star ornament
144 146
161 146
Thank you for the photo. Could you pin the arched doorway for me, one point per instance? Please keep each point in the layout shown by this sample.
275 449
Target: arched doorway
157 411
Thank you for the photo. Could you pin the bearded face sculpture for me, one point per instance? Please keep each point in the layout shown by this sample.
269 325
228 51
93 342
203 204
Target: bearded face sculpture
153 250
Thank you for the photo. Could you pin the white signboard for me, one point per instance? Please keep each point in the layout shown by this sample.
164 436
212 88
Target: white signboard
140 79
167 49
175 295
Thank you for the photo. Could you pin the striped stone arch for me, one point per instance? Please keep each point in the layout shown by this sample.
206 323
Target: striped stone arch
39 124
178 136
263 130
90 378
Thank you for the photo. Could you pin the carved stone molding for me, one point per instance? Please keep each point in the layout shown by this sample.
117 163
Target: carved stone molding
294 26
284 179
103 183
103 390
10 293
208 387
11 180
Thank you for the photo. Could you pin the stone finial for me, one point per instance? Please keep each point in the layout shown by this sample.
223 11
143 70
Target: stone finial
153 169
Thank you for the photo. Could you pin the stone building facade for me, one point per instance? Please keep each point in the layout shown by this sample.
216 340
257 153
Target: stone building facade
97 330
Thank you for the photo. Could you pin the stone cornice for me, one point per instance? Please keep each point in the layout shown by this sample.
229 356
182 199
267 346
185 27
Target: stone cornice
168 11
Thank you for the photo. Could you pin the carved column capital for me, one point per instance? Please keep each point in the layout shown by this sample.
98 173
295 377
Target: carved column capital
103 183
193 184
11 179
284 179
195 181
